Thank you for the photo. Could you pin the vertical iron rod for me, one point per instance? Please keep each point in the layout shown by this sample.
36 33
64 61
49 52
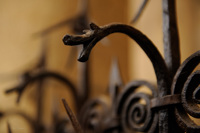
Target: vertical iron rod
172 58
170 36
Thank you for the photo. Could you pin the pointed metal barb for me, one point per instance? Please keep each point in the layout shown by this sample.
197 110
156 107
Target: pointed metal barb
60 124
140 11
115 80
9 128
72 117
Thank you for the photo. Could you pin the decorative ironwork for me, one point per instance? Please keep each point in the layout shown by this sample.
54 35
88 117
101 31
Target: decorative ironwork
165 108
155 115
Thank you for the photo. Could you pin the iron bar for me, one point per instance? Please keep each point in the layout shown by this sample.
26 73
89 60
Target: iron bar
170 36
165 101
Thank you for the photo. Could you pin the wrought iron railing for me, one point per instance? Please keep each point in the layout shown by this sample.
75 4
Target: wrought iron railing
165 108
169 107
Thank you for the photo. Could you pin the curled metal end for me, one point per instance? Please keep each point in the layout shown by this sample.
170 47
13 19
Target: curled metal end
88 40
196 95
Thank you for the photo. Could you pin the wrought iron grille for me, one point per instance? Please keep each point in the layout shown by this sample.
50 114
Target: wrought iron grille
168 107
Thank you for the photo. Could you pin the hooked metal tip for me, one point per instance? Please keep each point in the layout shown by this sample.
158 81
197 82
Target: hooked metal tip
66 39
83 58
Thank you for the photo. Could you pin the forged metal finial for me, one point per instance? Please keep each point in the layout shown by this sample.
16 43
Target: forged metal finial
88 40
96 33
115 80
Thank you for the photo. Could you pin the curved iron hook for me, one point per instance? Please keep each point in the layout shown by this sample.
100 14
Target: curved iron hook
96 33
33 78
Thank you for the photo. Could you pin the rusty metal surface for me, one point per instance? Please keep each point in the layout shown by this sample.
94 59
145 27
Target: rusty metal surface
155 115
172 55
168 107
170 36
185 85
165 101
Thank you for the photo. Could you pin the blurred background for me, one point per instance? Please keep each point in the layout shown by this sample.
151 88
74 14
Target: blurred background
21 48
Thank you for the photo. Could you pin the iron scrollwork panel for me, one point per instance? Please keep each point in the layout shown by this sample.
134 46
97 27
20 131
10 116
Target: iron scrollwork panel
136 111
